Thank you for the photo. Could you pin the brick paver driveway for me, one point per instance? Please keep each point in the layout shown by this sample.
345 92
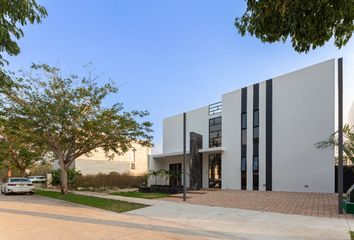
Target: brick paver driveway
311 204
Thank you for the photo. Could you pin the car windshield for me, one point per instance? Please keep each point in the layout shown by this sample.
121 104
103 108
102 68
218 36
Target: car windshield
19 180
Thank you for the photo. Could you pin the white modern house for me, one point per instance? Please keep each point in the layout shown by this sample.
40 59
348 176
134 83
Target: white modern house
260 137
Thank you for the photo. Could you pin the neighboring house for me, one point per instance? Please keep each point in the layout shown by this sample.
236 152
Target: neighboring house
351 115
133 162
261 137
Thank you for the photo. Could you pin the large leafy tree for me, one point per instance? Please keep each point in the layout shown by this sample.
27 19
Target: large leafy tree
14 14
67 114
17 148
309 24
348 145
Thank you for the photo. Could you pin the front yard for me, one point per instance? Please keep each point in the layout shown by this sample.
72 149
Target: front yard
107 204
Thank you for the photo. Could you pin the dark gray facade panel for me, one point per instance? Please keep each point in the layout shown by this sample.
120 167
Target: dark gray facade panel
269 134
195 161
256 96
255 167
243 136
244 100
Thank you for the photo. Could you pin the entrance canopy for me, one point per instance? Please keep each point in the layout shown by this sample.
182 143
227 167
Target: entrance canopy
176 154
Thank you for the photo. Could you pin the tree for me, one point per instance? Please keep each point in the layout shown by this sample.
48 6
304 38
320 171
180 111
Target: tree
16 147
67 115
309 24
15 14
155 174
348 145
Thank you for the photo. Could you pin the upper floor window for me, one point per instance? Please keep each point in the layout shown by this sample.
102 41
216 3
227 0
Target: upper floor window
255 118
215 108
215 132
244 121
243 164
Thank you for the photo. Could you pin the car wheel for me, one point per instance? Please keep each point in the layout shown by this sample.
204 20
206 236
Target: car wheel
31 193
6 193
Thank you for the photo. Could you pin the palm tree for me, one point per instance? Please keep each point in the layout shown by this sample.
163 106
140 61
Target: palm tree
154 173
348 144
165 173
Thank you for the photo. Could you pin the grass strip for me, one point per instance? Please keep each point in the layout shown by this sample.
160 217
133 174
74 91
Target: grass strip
103 203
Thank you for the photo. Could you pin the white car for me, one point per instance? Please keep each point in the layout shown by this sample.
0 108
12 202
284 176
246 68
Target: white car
37 179
17 185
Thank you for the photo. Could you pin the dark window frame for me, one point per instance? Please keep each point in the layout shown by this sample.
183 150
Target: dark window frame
215 181
256 123
176 180
215 123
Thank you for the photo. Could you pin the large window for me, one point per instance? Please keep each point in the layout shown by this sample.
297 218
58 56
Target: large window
215 171
176 171
256 125
215 132
255 118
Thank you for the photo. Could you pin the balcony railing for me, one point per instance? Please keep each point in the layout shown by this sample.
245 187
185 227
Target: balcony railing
215 108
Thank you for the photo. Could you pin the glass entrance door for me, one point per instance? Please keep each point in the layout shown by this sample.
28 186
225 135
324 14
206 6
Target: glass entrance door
215 171
176 172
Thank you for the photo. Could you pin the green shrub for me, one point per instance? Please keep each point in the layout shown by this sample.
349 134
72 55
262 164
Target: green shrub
111 180
72 174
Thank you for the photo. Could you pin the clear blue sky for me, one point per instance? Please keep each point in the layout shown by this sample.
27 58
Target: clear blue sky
166 56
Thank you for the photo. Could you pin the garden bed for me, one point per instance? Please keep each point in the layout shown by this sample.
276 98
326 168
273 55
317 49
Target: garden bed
149 195
161 189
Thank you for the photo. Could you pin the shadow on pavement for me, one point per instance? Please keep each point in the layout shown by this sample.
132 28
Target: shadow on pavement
148 227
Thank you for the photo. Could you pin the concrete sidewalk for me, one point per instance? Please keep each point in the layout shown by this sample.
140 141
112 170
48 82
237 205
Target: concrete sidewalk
231 223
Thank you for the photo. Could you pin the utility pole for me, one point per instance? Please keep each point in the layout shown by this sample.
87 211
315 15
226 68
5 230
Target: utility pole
184 157
340 135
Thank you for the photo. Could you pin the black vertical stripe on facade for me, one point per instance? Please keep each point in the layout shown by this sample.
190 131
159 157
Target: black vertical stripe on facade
255 176
243 110
269 134
244 100
243 150
255 96
243 147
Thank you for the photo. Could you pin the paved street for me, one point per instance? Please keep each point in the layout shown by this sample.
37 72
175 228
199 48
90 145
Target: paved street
34 217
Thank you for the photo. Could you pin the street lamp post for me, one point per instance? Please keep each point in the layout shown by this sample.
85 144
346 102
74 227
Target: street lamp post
340 135
184 157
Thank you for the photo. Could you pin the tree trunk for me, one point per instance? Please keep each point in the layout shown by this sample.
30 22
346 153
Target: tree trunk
22 172
63 177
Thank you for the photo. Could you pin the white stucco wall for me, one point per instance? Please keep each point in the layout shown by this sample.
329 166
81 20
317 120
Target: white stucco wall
231 140
249 138
351 115
92 167
196 121
303 114
262 136
173 134
97 162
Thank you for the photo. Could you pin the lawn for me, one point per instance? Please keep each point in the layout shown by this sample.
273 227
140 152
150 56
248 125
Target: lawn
107 204
141 195
351 235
